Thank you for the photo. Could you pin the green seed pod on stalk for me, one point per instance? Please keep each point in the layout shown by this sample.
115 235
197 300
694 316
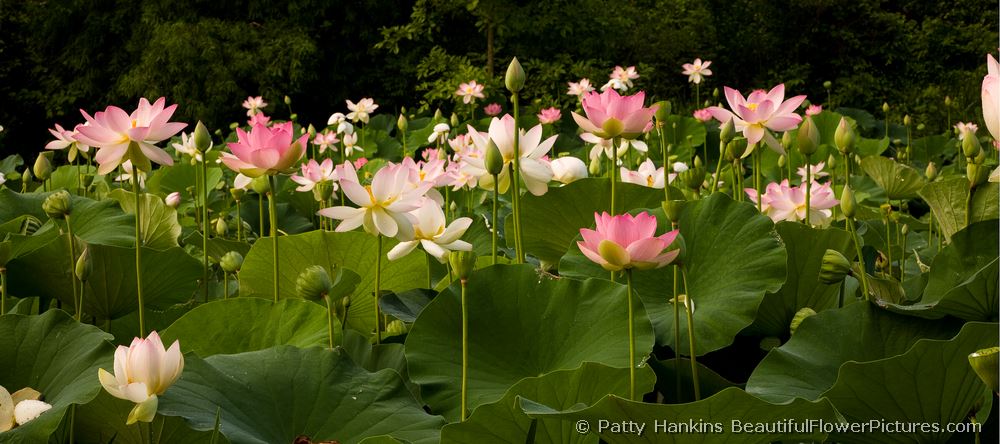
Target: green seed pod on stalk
673 209
800 316
313 283
987 366
260 185
58 205
834 267
231 262
463 262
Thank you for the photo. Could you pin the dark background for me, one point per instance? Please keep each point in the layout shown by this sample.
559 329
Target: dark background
58 56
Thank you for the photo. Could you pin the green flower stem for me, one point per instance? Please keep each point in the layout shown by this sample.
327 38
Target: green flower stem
378 289
902 261
260 218
631 337
239 223
465 352
329 319
138 252
72 268
888 240
736 183
718 172
861 259
690 324
430 281
757 182
612 173
677 327
493 225
272 209
666 158
516 186
225 285
204 217
968 204
808 187
3 289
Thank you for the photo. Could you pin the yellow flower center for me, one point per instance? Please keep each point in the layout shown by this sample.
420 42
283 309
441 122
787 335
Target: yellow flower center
649 181
752 106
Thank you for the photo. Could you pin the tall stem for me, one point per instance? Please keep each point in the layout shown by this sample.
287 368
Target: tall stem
329 319
757 181
861 259
204 217
72 267
273 213
138 252
516 178
677 327
631 337
260 216
378 289
718 170
688 303
493 225
239 223
614 171
3 289
225 285
808 187
888 239
465 351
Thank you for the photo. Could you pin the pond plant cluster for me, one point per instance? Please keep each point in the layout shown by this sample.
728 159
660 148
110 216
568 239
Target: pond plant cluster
511 273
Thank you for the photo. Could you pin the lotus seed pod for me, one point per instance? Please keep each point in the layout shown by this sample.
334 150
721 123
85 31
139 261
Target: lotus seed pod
237 193
800 316
514 80
313 283
808 137
844 137
985 364
84 265
463 262
673 209
827 84
834 267
322 191
58 205
231 262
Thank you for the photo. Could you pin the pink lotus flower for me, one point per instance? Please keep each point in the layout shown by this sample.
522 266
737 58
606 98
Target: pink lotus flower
646 175
351 144
492 109
115 132
624 242
64 139
326 140
991 96
697 71
173 200
360 162
313 173
964 129
611 115
470 91
815 171
265 151
362 110
259 119
759 112
813 110
143 370
580 88
703 115
549 115
254 105
621 78
382 206
784 202
568 169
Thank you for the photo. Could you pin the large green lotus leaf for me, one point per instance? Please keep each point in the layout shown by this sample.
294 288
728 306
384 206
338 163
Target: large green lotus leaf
55 355
963 277
871 147
931 383
804 247
677 129
179 177
352 250
551 221
807 365
733 258
14 205
277 394
521 325
217 247
947 199
667 371
240 325
504 422
711 420
103 420
899 181
96 222
160 228
929 148
68 177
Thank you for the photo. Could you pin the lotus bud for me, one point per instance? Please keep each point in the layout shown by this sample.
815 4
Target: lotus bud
782 161
234 125
26 176
673 209
29 409
401 123
885 107
84 265
985 364
395 328
808 138
43 165
595 166
288 101
787 141
844 137
727 132
463 262
947 101
906 120
202 140
494 159
237 193
921 127
173 200
847 202
221 227
58 205
697 162
231 262
313 283
800 316
260 185
831 161
834 268
970 146
663 109
931 172
453 120
453 207
438 116
827 84
514 80
293 116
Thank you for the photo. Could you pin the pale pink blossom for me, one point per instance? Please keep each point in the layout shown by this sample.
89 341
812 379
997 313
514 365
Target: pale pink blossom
815 171
568 169
813 110
627 242
143 370
265 151
759 112
360 162
612 115
991 97
432 232
580 88
535 172
492 109
549 115
621 78
325 140
254 105
383 206
64 139
362 110
703 115
313 173
646 175
470 91
784 202
965 129
351 144
173 200
113 132
340 120
259 119
697 71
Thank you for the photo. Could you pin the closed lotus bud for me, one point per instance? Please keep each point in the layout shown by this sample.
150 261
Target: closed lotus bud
906 120
735 148
202 139
885 107
787 140
800 316
808 138
844 137
43 165
663 109
453 120
970 146
173 200
340 307
847 203
438 116
827 84
831 161
976 173
463 262
931 172
231 262
58 205
727 131
782 160
673 209
293 116
494 159
221 227
26 176
84 265
834 268
322 191
514 80
947 101
595 166
313 283
987 366
715 93
260 185
402 124
288 100
921 127
697 162
395 328
237 193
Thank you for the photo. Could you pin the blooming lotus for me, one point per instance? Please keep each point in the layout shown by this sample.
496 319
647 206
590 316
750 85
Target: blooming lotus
259 119
128 171
143 370
535 172
991 96
340 120
313 173
326 140
965 129
697 71
351 144
703 115
120 136
646 175
621 78
188 147
568 169
784 202
813 110
612 115
492 109
439 133
253 105
759 112
469 92
431 231
627 242
66 139
361 110
265 151
549 115
382 206
815 171
579 88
